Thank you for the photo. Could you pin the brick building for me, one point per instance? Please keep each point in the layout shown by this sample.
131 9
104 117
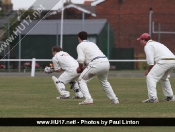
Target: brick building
130 18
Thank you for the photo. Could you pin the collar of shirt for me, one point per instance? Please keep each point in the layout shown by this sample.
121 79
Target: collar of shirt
150 41
85 41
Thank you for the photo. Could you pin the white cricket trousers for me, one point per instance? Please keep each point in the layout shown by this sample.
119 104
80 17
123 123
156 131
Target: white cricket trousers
159 72
68 75
100 68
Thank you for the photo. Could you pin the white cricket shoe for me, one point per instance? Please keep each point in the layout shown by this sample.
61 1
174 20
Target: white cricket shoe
78 95
63 97
150 100
115 101
86 102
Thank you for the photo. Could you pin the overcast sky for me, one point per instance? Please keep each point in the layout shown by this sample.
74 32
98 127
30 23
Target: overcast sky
25 4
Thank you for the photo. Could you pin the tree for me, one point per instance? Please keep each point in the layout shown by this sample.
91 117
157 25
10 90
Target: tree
17 20
1 9
20 15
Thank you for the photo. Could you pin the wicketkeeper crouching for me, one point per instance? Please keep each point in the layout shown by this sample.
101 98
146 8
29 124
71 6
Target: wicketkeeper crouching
62 61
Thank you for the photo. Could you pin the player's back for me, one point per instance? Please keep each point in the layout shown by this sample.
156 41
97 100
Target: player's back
90 50
65 60
161 51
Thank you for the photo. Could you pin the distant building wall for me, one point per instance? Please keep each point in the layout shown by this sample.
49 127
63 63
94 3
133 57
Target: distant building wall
129 19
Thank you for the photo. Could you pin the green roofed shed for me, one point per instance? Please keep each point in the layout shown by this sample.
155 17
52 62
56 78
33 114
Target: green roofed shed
40 36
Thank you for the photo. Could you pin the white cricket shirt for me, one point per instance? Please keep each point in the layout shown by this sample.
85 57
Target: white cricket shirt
155 51
87 51
62 60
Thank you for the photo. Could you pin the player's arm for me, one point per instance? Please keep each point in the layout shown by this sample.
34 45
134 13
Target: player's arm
59 70
53 69
80 68
81 59
149 69
149 58
56 66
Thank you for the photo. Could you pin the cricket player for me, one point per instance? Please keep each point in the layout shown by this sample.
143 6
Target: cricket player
62 61
161 62
97 65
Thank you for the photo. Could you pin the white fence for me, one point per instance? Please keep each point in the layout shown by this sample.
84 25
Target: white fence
35 60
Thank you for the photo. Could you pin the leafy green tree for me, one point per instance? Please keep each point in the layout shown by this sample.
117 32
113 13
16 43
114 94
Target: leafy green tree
1 9
27 15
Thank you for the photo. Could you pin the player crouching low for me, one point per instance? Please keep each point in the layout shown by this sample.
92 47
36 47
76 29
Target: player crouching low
62 61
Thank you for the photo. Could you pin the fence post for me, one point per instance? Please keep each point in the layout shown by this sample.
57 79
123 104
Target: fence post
33 67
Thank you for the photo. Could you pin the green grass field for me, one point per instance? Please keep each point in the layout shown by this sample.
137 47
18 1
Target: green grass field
36 97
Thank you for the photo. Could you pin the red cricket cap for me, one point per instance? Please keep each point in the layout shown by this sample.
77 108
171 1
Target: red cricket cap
144 36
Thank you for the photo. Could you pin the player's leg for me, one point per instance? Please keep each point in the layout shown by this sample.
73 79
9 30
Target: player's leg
67 77
61 88
103 74
63 79
92 70
152 78
166 86
82 81
76 88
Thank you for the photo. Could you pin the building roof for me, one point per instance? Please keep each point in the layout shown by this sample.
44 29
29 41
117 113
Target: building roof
70 27
88 1
82 7
96 2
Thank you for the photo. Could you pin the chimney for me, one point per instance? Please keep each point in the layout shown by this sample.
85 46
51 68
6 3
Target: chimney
87 2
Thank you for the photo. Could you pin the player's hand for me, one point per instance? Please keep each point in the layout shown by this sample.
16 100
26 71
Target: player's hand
48 70
79 70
